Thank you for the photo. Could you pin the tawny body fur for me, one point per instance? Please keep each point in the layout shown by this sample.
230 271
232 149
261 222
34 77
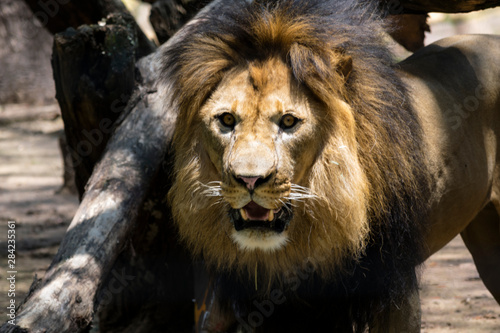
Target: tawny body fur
454 85
455 89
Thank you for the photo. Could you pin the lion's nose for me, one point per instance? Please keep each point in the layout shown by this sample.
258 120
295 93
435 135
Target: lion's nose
249 181
252 182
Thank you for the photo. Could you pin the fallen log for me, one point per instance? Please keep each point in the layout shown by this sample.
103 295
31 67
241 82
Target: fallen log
64 300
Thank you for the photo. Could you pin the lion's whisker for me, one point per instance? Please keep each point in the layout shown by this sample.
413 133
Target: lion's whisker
212 192
288 208
301 192
294 200
217 202
297 186
211 189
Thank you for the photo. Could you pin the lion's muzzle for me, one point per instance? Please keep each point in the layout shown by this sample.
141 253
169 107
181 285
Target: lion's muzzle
260 213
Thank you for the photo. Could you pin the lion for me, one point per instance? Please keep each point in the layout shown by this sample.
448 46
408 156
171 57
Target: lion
313 175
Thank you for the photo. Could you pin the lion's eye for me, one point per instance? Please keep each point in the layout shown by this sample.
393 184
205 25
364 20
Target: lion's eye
288 121
227 119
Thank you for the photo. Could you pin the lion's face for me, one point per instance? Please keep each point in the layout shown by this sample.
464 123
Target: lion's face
268 174
258 130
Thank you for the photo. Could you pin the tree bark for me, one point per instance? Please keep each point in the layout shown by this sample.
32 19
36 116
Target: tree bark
94 71
445 6
58 15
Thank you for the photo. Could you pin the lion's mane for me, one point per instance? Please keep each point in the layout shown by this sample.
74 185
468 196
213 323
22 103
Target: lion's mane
371 265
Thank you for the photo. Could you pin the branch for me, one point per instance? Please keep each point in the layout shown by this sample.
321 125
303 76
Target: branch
441 6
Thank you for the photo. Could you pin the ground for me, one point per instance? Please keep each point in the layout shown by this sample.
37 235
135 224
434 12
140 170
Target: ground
453 297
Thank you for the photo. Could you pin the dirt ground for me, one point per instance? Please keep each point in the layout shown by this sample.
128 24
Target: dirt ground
453 297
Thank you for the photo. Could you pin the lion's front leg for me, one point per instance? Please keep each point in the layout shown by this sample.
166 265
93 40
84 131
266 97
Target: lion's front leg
402 319
482 238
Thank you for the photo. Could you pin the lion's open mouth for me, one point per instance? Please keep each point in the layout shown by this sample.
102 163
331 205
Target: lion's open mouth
254 216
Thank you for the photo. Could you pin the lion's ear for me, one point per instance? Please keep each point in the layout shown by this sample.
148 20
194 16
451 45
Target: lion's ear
344 66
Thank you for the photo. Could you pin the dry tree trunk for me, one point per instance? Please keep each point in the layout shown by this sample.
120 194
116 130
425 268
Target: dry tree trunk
58 15
86 92
94 71
92 97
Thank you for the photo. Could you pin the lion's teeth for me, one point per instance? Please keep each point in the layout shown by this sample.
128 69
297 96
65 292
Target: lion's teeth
271 215
244 215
